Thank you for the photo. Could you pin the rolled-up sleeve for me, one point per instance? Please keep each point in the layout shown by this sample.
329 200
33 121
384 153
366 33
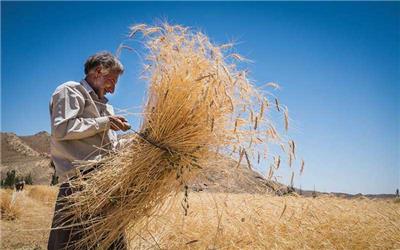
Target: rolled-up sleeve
67 106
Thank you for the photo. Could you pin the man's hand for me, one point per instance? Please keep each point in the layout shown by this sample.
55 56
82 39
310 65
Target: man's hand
118 122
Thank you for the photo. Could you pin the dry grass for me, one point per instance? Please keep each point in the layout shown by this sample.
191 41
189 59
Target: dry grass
243 221
31 229
10 206
201 111
42 193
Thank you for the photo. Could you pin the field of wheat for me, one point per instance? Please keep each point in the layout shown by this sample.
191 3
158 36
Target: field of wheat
226 221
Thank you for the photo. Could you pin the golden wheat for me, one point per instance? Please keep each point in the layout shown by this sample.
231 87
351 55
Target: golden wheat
199 110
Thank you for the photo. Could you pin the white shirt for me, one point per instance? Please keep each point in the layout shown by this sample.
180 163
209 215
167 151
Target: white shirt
80 127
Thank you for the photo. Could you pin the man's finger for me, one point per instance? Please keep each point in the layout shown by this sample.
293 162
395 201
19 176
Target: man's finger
127 126
114 127
123 119
118 124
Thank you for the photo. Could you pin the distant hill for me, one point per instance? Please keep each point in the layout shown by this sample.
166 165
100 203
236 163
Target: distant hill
18 155
228 177
31 154
39 142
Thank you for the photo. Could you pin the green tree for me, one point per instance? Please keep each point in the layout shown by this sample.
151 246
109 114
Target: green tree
54 179
9 181
28 179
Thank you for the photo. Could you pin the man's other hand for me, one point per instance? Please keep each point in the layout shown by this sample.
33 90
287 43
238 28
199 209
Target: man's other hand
118 122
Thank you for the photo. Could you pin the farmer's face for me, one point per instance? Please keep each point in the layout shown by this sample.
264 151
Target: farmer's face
109 82
106 83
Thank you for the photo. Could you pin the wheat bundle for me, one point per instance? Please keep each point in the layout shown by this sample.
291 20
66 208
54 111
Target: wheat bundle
200 109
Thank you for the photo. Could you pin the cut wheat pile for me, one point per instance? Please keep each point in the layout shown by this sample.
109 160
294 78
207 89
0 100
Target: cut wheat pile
201 110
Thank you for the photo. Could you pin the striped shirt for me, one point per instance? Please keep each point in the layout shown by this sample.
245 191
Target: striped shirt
80 127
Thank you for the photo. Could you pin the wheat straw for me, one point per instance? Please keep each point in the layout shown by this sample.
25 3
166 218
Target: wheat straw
191 119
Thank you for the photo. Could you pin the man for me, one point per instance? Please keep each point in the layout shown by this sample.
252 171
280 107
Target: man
83 127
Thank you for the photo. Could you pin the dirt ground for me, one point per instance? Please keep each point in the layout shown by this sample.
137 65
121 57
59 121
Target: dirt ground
31 229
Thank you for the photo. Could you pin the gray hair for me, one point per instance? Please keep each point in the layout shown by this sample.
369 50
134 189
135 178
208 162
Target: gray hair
107 61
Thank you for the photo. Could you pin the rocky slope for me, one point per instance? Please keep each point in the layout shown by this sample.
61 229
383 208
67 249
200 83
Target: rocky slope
31 155
18 155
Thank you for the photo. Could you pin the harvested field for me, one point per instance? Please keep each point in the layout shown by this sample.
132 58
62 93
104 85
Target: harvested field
229 221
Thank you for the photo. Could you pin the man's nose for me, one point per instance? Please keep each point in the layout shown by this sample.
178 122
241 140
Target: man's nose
112 88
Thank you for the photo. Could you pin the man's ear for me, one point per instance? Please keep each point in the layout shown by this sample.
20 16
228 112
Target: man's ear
98 71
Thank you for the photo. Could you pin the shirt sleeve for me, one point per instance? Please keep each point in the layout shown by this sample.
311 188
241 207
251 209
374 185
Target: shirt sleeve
67 106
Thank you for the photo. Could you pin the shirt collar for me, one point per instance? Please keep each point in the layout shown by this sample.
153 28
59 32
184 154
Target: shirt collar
89 89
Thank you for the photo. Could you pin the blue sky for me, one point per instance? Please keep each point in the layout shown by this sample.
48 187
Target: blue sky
338 64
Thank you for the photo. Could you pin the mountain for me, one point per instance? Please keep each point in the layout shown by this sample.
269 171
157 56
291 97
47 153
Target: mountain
31 155
39 142
229 177
18 154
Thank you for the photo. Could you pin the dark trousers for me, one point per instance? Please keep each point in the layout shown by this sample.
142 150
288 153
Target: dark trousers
64 238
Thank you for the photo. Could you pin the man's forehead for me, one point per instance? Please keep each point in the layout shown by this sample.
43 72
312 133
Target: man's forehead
113 74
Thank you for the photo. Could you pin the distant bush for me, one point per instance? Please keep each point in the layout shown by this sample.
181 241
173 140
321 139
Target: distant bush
11 178
28 179
54 179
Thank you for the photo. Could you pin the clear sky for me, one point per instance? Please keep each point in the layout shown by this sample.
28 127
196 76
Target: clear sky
338 64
